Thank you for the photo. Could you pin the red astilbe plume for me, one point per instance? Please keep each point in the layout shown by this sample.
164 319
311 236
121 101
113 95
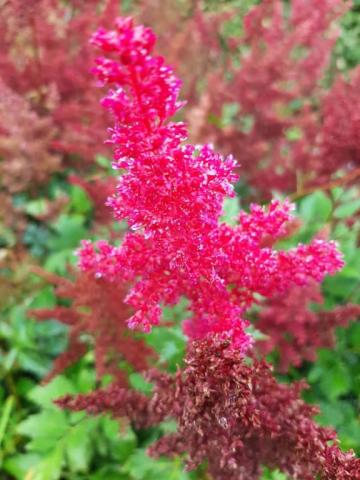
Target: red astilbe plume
45 58
172 193
297 331
284 56
231 413
341 126
24 137
25 159
187 38
97 309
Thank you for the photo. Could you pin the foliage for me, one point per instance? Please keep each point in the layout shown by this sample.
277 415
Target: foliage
55 176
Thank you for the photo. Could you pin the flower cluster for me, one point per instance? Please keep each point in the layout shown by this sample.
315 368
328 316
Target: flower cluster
55 82
296 329
25 159
232 413
277 132
341 128
171 195
186 38
23 134
97 310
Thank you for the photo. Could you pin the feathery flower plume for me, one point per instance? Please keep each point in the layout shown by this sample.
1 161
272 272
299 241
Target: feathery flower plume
171 194
233 414
97 310
296 330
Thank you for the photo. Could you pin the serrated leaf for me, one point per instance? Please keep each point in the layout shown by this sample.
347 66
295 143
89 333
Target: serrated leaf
44 299
70 230
19 465
45 429
80 200
123 441
336 381
141 467
44 395
50 467
315 208
78 446
347 210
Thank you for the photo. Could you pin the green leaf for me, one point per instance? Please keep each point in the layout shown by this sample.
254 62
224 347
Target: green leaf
37 208
103 161
231 211
50 467
45 429
109 473
44 299
315 208
123 441
79 446
34 362
273 475
142 467
169 343
347 210
7 237
80 200
336 381
138 382
20 465
229 112
5 417
294 133
57 262
70 230
45 395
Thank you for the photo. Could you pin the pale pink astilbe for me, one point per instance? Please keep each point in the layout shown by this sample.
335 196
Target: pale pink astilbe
296 330
172 195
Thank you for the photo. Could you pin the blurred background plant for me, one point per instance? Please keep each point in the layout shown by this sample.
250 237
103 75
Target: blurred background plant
256 88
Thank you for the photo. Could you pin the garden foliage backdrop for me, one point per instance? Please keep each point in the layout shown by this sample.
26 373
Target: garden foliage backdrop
274 83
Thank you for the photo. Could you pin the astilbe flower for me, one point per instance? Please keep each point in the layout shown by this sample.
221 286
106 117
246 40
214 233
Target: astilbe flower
45 59
26 161
97 310
187 38
296 330
276 135
341 126
233 414
172 194
23 134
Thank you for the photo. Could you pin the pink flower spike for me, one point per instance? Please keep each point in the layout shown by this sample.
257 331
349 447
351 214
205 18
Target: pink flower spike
172 196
